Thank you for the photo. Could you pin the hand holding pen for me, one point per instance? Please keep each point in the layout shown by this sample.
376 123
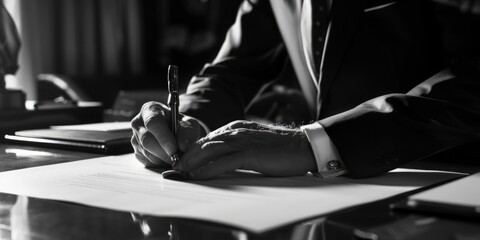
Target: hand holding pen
158 137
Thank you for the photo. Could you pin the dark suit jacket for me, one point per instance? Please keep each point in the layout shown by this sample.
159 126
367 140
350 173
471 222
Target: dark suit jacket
380 105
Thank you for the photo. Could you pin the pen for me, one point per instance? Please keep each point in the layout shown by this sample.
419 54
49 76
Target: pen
173 102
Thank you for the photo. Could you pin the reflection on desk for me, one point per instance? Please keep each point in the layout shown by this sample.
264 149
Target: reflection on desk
31 218
18 156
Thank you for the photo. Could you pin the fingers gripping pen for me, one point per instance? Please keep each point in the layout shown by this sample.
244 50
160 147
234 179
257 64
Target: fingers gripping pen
173 103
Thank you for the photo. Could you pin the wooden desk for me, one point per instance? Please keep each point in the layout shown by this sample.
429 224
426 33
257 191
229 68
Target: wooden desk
31 218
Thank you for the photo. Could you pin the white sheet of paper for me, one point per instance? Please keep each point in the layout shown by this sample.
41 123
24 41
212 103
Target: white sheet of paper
245 200
462 192
103 127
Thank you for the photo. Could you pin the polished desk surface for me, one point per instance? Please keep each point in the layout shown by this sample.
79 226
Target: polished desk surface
24 217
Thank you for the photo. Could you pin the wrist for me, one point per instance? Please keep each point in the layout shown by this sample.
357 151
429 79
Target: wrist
306 152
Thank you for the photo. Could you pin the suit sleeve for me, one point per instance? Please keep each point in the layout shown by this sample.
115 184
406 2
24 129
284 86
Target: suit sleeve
251 56
391 130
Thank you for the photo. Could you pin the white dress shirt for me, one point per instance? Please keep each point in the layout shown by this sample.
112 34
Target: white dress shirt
329 163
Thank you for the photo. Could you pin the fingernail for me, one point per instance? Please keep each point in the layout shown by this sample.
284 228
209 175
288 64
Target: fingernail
175 175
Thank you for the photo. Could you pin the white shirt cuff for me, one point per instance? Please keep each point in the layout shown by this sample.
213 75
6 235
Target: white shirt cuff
329 163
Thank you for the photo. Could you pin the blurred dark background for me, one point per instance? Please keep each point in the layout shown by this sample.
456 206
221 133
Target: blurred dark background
102 47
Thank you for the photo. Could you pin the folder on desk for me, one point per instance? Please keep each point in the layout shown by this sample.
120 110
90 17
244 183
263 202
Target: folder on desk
459 198
78 137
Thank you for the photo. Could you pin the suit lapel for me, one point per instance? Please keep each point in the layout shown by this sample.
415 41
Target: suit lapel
345 15
287 14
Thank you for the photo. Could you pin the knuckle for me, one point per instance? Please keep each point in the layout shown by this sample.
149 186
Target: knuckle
149 121
148 115
201 141
238 124
151 110
145 138
134 141
152 120
212 145
207 145
153 106
136 122
148 105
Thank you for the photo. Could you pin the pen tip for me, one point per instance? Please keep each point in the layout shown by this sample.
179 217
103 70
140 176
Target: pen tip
175 159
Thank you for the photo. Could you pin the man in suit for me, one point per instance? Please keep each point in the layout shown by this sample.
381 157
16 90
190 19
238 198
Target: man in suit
382 89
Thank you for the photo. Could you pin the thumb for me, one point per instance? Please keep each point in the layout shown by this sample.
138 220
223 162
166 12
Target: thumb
188 133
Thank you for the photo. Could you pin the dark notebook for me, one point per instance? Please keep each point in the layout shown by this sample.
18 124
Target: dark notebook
108 142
